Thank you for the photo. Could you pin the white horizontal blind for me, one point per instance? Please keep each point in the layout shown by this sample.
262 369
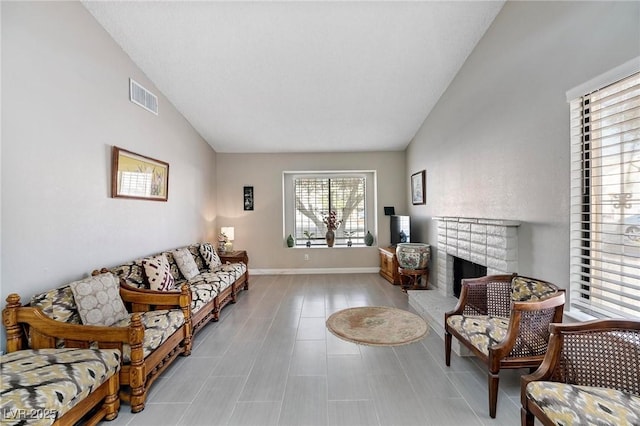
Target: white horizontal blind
315 196
605 200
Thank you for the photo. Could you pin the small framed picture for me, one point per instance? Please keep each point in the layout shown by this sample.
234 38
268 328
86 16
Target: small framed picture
248 197
418 185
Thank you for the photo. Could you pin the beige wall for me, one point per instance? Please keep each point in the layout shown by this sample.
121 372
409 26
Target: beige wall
497 143
260 232
64 104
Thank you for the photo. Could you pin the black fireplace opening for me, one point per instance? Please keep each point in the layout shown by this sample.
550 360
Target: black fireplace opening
465 269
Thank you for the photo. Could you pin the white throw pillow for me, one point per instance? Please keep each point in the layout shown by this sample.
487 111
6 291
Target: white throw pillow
185 262
98 300
158 273
210 256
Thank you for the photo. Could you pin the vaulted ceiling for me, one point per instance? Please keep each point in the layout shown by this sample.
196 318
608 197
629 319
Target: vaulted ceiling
299 76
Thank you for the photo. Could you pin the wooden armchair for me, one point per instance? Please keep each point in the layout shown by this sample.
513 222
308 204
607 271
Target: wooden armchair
504 320
589 376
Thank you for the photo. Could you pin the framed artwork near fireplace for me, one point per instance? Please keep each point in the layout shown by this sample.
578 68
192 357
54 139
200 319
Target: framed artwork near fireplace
418 186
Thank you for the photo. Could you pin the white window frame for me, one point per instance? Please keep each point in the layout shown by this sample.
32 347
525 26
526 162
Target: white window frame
288 190
593 292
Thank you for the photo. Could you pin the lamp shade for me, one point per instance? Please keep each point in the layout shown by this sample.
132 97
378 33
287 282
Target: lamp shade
228 231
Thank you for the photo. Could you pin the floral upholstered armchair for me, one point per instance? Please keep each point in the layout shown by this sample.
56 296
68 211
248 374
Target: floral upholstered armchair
504 320
589 376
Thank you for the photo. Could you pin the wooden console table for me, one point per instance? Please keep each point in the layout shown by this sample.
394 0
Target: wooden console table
389 265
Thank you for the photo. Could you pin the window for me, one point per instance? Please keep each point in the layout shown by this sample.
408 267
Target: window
605 200
314 195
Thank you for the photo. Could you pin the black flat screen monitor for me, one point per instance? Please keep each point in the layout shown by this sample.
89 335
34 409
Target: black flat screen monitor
400 229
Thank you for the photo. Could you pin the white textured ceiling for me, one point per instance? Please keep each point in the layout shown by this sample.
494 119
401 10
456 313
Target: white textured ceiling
299 76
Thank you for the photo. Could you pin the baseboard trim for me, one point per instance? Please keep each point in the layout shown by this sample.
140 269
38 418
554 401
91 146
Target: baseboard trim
310 271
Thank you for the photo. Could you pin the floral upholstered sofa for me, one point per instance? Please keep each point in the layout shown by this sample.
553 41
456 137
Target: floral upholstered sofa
213 281
88 314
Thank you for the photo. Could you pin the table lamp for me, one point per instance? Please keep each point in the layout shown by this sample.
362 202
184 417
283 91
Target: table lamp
228 231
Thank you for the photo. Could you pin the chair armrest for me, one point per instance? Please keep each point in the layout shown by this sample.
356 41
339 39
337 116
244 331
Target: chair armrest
45 330
138 296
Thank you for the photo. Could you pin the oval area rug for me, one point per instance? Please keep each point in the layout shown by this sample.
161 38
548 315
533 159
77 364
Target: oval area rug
377 326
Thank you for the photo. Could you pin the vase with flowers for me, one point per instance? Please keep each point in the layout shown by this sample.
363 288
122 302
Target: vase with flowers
332 222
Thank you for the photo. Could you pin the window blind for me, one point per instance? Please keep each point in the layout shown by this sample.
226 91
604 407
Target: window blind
605 200
316 196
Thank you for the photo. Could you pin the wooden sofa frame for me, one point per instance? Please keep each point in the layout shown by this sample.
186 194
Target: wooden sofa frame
209 312
44 333
136 377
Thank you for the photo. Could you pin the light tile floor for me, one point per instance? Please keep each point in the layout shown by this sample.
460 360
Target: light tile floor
271 361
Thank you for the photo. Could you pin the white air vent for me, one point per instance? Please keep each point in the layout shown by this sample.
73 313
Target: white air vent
141 96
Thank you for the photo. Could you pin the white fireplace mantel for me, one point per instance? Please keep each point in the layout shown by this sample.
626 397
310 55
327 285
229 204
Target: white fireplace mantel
489 242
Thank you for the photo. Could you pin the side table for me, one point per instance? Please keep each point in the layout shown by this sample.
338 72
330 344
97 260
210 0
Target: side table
410 279
234 256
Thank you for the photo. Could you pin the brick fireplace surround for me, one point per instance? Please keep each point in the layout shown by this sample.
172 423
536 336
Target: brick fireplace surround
488 242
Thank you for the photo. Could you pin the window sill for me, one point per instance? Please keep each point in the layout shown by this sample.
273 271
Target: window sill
334 247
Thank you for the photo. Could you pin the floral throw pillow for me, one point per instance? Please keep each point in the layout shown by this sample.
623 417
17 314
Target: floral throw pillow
210 256
185 262
158 273
98 300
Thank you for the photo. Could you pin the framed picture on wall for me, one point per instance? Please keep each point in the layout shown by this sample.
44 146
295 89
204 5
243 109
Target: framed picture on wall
418 185
139 177
248 197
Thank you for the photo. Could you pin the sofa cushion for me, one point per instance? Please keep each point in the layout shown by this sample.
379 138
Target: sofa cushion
98 300
156 269
51 379
523 289
568 404
210 256
185 263
132 273
482 331
202 293
58 304
197 257
221 279
158 327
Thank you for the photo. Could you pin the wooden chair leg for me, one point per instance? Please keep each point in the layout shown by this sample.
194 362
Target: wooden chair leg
447 348
493 393
526 418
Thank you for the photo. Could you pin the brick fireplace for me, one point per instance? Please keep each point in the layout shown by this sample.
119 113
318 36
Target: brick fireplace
487 242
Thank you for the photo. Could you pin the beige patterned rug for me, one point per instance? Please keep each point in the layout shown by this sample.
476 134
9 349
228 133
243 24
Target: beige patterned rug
377 326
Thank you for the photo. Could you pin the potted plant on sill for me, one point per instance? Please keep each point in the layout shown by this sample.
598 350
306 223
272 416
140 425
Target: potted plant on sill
349 234
308 235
